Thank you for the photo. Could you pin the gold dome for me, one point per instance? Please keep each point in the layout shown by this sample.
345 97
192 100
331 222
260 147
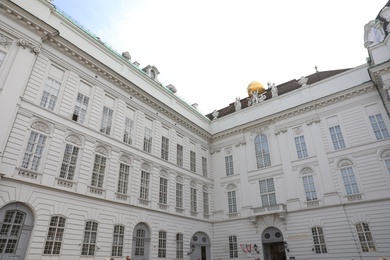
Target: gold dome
255 86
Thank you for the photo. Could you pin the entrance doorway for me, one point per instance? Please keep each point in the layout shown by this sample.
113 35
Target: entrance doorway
273 244
200 247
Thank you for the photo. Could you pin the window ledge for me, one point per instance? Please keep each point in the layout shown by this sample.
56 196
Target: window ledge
143 202
162 206
194 213
95 190
354 197
65 183
180 210
312 203
233 215
26 173
121 196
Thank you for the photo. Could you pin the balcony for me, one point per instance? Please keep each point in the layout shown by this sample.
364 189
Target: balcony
279 209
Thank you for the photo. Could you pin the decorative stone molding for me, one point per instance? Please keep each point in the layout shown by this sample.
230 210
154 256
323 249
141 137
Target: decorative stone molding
240 143
179 179
205 188
385 153
344 163
228 150
297 130
306 170
41 126
33 48
281 131
231 187
126 159
373 33
215 151
312 121
145 167
72 138
303 81
5 41
164 174
101 149
193 184
261 130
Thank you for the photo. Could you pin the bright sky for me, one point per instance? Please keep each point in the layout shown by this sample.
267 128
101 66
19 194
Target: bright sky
210 50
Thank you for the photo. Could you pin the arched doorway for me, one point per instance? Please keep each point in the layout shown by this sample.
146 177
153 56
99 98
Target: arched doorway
200 247
16 224
141 242
273 244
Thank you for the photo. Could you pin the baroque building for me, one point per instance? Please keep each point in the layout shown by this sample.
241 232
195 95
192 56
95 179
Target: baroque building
99 159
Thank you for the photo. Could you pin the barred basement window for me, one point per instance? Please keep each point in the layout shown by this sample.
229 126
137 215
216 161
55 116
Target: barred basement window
179 246
263 157
117 240
89 241
55 236
233 252
365 237
33 154
319 240
162 244
69 162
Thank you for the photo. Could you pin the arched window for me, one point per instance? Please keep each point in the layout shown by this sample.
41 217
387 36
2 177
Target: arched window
141 241
263 158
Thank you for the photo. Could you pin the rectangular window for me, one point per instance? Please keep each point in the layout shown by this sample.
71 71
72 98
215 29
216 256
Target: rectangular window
233 252
162 244
99 168
89 241
204 166
123 180
192 161
229 165
206 203
50 93
337 137
2 57
179 155
148 140
349 180
164 148
365 238
387 162
140 242
263 156
144 189
379 127
267 192
69 162
163 191
105 126
232 201
319 240
301 146
193 200
117 240
33 154
179 246
80 108
179 195
128 131
54 236
310 189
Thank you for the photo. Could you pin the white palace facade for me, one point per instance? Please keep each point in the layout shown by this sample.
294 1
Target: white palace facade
99 159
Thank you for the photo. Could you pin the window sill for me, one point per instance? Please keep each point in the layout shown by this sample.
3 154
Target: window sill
312 203
354 197
65 183
29 174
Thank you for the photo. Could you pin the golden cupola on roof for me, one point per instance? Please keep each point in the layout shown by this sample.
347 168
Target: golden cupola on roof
255 86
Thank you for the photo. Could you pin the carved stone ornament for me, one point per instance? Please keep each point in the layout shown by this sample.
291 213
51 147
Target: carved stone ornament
240 143
215 114
303 81
228 150
280 130
373 33
125 159
344 163
101 149
74 139
179 179
193 184
215 151
41 126
312 121
387 88
261 130
385 153
205 188
145 167
297 130
237 104
231 187
25 44
163 174
307 170
5 41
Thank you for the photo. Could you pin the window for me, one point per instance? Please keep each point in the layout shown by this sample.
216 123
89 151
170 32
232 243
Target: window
164 148
128 132
50 93
193 199
349 180
2 57
179 245
192 161
179 155
80 108
205 203
232 201
162 244
179 195
140 242
163 191
204 166
55 236
301 146
105 126
89 241
233 252
117 240
10 230
144 190
148 140
337 137
33 154
123 180
387 162
310 189
69 162
319 240
229 165
365 238
263 158
379 127
99 168
267 192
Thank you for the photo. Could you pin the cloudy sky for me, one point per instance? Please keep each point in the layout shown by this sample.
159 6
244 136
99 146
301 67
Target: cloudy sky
210 50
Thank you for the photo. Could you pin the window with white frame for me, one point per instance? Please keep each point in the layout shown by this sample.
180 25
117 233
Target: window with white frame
10 231
69 162
105 126
193 199
379 127
192 161
162 244
350 184
204 166
229 165
267 192
89 241
163 191
129 126
263 157
179 246
366 241
34 150
337 137
310 189
319 240
164 148
52 87
179 155
54 236
140 242
82 102
233 251
123 179
144 189
232 201
387 163
206 207
300 146
148 135
179 195
117 240
98 171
